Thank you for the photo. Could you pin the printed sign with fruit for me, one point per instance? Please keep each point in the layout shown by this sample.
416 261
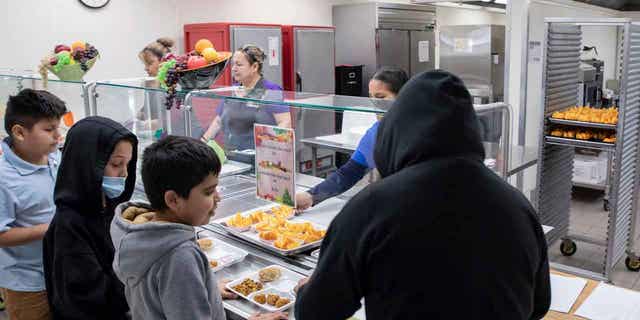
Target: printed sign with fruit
69 63
275 163
197 69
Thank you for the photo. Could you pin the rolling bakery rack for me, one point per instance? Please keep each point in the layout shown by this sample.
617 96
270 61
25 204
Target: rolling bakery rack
561 61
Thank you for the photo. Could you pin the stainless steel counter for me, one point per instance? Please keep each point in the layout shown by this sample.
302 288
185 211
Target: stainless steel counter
255 261
239 195
520 157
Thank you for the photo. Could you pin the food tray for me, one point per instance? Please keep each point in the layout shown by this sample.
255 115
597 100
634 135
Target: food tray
580 143
249 235
583 124
282 287
229 186
225 254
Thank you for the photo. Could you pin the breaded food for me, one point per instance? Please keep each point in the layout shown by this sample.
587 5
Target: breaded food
213 263
240 221
270 274
260 298
248 287
268 235
257 217
205 243
287 243
272 299
282 212
282 302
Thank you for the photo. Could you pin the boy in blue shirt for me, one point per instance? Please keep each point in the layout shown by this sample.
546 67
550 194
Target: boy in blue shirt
28 169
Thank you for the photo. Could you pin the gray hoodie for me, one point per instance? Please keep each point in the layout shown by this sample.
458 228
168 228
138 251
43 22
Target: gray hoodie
165 274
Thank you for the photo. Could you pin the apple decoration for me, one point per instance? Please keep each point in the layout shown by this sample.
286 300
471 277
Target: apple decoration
196 62
61 47
174 66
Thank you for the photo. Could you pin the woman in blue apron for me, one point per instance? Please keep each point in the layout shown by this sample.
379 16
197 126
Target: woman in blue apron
235 119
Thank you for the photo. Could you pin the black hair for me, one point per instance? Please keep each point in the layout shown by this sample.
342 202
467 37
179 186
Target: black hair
395 78
254 54
30 106
176 163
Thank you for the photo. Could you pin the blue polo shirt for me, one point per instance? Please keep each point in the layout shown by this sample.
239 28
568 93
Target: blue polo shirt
26 200
364 153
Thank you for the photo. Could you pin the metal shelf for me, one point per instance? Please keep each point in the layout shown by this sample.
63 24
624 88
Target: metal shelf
600 187
553 198
583 124
581 143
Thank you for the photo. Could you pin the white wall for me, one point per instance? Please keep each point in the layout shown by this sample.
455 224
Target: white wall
31 29
450 16
303 12
296 12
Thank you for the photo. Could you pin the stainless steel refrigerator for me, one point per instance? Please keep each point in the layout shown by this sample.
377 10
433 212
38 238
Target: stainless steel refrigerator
476 54
310 67
269 38
385 34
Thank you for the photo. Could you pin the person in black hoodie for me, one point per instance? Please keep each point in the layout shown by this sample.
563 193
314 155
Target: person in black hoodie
440 236
97 172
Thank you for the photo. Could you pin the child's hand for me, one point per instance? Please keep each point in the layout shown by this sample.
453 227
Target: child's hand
224 292
269 316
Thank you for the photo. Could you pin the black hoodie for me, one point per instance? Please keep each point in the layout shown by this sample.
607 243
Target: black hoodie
78 252
440 236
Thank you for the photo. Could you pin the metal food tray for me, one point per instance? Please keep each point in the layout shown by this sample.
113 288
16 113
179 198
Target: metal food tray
585 124
231 168
580 143
234 185
283 286
225 254
252 237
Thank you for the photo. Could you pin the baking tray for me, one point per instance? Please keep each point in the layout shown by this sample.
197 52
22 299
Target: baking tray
580 143
584 124
249 235
284 286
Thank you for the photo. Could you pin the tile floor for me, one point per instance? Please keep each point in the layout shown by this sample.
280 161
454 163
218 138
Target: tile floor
587 218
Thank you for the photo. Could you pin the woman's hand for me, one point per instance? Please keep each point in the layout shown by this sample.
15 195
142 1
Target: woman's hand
304 201
224 292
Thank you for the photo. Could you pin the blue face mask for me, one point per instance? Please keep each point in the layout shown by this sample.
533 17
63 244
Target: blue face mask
113 187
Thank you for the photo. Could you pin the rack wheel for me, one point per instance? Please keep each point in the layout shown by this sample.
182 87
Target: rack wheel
605 205
632 264
568 248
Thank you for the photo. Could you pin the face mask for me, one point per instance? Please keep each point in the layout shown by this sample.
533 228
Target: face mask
113 187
